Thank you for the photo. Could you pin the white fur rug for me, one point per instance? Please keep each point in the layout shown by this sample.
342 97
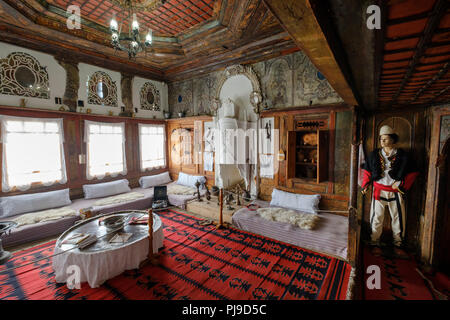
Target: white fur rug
298 219
124 197
45 215
179 189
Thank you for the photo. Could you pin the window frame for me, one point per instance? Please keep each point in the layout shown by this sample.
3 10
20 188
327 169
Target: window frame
141 160
6 187
87 124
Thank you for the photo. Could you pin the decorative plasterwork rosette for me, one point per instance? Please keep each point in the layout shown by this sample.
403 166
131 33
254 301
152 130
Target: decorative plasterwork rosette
255 97
102 90
150 98
22 75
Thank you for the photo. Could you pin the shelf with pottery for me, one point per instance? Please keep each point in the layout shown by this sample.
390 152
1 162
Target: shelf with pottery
307 155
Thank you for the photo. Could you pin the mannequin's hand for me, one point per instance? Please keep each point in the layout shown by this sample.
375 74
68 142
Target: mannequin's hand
364 191
396 185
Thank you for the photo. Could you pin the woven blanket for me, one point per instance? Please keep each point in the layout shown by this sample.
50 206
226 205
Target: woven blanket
179 189
298 219
124 197
45 215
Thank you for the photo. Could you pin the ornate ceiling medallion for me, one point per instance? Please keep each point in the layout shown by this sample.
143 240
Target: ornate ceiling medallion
141 5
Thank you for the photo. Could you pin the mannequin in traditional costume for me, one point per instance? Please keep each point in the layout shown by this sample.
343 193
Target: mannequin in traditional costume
392 173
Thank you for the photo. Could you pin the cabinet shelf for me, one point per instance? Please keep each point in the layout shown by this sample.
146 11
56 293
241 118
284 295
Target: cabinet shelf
306 163
317 150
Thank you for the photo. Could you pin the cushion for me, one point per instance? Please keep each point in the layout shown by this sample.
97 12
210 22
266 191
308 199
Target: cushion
10 206
300 202
155 180
189 180
105 189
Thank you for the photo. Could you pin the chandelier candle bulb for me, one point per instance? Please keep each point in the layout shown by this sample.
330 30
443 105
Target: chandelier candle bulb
135 24
114 25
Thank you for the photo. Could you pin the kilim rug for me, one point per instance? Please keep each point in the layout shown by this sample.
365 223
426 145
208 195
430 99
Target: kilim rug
399 278
198 263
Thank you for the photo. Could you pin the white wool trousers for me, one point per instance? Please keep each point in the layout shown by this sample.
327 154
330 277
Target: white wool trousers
396 205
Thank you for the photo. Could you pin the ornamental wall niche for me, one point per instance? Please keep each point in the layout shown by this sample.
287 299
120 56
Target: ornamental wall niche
22 75
150 97
255 96
102 90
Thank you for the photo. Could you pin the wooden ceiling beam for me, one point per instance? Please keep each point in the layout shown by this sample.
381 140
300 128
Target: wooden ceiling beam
438 11
299 20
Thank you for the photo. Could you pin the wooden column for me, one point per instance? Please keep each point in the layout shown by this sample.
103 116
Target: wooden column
353 220
220 225
150 234
70 98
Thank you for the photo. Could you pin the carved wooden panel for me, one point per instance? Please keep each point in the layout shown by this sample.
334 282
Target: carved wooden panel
102 90
22 75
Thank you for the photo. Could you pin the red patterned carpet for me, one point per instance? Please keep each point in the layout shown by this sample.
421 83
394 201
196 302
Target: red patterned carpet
399 278
196 263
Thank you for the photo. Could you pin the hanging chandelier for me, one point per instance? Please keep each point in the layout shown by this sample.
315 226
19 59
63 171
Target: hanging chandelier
131 42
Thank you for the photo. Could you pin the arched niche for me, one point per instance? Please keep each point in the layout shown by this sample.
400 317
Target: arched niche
245 83
403 129
239 90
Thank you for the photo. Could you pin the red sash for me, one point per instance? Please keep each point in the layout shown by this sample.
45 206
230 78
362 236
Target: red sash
377 187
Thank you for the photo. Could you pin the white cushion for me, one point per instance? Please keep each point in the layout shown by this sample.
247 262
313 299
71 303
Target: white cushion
105 189
301 202
156 180
189 180
10 206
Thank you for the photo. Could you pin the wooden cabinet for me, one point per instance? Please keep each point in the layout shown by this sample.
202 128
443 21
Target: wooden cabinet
185 147
308 155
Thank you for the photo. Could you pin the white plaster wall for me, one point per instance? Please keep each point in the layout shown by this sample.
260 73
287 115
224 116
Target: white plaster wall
85 71
56 76
163 93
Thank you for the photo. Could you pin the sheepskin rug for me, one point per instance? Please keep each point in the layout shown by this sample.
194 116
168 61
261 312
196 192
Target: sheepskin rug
45 215
179 189
124 197
298 219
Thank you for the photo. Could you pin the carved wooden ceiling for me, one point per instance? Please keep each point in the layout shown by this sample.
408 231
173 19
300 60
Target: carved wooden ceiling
172 18
190 36
416 54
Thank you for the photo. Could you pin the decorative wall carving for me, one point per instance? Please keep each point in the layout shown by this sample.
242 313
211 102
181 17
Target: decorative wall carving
72 83
102 90
288 81
181 97
22 75
126 81
150 97
255 96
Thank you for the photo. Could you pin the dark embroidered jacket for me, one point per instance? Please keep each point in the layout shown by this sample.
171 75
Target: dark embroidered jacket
402 169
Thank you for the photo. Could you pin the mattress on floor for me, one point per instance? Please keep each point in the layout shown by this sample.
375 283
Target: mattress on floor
330 235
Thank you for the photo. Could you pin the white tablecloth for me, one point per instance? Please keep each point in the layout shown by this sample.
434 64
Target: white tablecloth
97 267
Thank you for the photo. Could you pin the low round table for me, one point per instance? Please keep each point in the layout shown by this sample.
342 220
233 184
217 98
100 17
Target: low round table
104 260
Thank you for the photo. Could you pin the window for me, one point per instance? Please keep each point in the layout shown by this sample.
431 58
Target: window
152 145
105 149
32 152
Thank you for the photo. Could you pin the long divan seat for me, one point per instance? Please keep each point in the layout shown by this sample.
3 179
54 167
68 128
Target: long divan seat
46 229
329 236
